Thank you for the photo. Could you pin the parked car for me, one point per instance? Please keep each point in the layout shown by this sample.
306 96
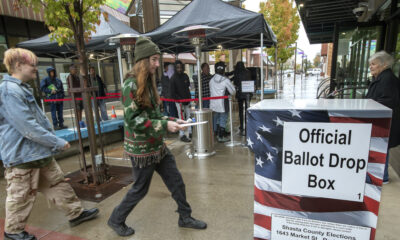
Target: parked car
314 71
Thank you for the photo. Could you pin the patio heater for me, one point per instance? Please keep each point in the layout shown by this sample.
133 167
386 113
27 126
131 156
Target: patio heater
127 42
203 135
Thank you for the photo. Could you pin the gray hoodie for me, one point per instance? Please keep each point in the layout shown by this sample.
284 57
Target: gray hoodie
218 85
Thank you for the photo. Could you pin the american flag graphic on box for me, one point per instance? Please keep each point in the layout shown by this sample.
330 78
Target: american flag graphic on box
265 136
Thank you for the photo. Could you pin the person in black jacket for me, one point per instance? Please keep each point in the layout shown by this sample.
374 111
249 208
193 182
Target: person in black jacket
179 89
53 88
73 81
169 107
385 89
165 89
96 81
205 81
241 74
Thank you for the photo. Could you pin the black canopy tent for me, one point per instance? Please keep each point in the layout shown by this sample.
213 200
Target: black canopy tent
240 28
44 47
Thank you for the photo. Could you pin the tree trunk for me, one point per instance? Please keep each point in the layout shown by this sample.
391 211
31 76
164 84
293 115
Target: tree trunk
97 172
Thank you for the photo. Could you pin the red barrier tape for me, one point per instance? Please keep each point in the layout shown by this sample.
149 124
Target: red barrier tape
77 99
192 99
118 95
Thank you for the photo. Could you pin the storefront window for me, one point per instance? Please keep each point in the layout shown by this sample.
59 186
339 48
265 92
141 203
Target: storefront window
62 70
3 48
355 48
13 41
396 66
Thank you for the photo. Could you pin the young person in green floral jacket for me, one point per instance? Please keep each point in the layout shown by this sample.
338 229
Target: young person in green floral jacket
145 128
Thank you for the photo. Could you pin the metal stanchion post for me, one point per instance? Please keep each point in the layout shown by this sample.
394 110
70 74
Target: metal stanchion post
231 143
44 111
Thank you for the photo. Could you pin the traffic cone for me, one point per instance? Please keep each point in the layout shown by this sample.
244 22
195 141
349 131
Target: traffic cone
113 114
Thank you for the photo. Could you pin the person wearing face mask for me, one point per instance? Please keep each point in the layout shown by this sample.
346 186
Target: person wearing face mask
205 84
169 107
53 88
96 81
385 89
219 85
145 128
74 82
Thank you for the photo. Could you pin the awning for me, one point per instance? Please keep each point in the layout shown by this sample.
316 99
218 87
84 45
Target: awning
240 28
44 47
319 17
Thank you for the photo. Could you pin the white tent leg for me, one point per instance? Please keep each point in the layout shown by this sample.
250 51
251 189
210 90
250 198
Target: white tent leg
98 66
262 65
121 75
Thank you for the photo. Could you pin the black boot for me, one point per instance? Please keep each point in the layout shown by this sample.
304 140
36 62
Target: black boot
121 229
189 222
20 236
221 138
219 133
86 215
226 133
216 130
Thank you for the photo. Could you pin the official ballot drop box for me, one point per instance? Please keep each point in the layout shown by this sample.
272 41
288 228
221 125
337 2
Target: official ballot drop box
318 167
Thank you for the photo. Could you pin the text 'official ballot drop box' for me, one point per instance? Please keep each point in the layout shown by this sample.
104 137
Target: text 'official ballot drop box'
318 167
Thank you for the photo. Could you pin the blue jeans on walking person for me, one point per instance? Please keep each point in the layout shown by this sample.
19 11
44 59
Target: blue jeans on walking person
56 109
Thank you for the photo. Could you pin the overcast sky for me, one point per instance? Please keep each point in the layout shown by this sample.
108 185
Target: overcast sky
302 41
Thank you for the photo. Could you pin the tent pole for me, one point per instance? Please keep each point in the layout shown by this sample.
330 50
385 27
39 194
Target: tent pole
262 65
121 75
276 68
98 67
199 83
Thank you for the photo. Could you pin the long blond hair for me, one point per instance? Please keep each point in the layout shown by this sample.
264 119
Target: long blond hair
142 74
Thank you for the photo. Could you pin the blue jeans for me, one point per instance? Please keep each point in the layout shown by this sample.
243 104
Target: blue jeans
103 109
220 119
56 109
166 108
206 104
101 103
386 171
173 112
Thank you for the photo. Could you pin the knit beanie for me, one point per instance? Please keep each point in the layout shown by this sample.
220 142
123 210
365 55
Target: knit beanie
145 48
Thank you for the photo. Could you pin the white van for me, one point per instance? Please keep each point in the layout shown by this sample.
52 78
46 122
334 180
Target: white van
314 71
